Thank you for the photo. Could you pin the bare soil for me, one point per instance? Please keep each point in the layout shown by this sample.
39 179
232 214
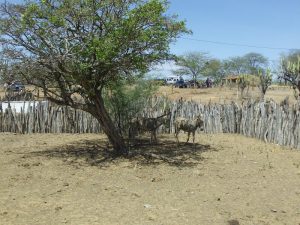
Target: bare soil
205 95
226 94
74 179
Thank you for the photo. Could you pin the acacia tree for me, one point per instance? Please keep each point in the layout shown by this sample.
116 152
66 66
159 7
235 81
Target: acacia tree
74 49
213 68
250 63
255 62
192 63
235 65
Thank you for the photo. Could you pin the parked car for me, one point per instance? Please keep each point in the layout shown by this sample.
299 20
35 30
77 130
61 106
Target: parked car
172 79
181 84
16 86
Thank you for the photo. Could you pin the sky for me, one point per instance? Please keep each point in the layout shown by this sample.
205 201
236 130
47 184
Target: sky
271 25
262 23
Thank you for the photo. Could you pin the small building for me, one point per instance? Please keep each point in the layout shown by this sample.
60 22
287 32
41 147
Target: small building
231 79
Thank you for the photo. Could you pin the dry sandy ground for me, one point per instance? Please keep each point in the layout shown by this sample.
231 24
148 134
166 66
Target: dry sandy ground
73 179
225 94
215 94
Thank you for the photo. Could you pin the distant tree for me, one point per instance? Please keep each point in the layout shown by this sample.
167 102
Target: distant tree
192 63
265 78
8 67
243 82
290 71
213 69
255 62
234 66
82 47
250 63
246 81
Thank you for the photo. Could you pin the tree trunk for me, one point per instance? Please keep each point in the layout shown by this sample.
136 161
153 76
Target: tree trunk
262 95
109 128
262 91
242 92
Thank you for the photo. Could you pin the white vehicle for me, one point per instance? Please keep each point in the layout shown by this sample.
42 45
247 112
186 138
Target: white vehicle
172 79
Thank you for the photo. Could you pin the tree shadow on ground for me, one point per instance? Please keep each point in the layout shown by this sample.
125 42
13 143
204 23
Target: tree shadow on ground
168 151
99 153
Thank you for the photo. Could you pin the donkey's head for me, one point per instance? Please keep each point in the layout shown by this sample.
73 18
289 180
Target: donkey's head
199 121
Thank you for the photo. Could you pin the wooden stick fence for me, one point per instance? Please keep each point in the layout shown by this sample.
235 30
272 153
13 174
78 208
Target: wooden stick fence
267 121
47 118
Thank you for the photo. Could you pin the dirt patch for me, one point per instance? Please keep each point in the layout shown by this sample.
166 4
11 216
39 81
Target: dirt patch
205 95
74 179
226 94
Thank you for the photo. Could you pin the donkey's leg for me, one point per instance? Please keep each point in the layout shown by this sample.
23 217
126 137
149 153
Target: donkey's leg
194 138
189 133
154 136
176 135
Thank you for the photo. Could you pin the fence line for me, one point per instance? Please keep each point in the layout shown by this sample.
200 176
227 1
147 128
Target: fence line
47 118
267 121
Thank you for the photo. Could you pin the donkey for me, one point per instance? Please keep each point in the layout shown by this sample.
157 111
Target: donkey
189 126
148 124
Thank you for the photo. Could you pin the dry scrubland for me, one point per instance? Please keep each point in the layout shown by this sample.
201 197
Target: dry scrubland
72 179
224 179
225 94
214 95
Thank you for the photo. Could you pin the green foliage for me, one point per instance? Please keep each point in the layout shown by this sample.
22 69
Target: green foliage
112 38
265 78
127 99
234 66
8 69
213 68
253 80
290 71
294 67
255 62
250 63
243 81
84 47
192 63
